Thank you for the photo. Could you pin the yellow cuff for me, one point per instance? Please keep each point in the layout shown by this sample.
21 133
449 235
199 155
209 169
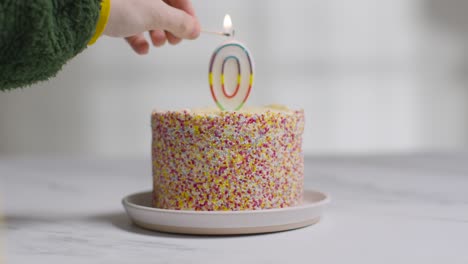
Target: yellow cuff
102 22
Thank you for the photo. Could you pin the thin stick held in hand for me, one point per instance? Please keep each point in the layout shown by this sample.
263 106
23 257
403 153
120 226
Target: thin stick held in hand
216 33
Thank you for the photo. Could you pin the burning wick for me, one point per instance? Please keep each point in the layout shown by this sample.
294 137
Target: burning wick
228 31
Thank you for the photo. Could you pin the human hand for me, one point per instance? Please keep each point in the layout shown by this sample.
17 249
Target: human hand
171 20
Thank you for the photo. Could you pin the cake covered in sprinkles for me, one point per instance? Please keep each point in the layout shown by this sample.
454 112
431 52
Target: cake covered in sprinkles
212 160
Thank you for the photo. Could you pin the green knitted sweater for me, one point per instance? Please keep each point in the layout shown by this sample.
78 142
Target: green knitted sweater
37 37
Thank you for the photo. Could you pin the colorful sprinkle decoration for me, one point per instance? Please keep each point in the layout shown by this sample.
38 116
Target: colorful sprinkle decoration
226 160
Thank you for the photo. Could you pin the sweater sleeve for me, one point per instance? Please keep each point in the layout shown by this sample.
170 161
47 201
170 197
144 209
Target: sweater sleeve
37 37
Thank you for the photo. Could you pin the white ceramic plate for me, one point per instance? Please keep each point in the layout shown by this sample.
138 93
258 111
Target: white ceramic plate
140 211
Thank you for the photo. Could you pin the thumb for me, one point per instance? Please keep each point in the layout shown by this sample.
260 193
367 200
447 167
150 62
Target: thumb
179 23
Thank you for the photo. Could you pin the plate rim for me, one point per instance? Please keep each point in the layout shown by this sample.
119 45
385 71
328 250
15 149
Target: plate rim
322 202
223 231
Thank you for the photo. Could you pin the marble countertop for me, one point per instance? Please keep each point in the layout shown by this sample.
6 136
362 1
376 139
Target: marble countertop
385 209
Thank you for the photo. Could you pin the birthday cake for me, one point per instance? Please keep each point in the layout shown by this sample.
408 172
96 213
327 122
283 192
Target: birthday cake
208 159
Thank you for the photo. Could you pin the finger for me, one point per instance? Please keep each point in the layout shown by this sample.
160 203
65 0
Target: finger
138 43
185 5
172 39
158 37
180 23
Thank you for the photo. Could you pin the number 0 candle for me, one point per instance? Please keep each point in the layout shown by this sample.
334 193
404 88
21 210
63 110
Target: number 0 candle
231 72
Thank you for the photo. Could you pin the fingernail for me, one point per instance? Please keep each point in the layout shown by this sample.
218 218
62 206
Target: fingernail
196 31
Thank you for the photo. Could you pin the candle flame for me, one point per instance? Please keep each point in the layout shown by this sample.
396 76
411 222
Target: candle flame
227 23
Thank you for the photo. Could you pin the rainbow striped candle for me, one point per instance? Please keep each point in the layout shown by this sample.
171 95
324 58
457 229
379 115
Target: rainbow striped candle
231 61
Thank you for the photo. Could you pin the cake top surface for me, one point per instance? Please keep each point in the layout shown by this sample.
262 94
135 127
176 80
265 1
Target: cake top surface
210 111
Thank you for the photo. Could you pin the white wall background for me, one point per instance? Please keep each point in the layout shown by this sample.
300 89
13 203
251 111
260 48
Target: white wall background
372 76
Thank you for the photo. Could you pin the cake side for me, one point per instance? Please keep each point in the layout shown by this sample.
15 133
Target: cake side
213 160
